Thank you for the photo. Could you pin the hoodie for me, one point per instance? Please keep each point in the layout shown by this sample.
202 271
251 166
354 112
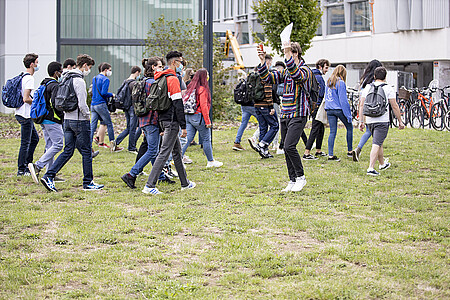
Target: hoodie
321 83
176 112
82 113
53 115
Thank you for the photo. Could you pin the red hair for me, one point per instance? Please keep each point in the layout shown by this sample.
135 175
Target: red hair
200 80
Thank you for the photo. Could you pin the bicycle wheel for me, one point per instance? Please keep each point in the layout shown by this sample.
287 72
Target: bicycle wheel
447 120
416 116
437 116
404 112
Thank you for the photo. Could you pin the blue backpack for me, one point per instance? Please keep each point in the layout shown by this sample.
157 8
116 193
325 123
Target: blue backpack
39 109
12 92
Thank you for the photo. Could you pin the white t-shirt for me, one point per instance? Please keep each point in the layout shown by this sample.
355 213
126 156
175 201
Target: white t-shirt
27 84
390 94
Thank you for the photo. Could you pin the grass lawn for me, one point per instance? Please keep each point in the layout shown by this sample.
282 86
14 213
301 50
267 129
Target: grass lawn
236 235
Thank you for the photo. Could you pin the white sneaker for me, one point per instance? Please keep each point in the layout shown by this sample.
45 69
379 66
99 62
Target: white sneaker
288 188
151 191
280 151
187 160
300 182
214 164
190 186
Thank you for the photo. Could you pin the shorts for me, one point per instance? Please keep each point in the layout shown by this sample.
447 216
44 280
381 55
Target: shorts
379 132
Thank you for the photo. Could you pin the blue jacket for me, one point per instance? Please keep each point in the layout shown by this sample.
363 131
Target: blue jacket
100 83
321 82
337 99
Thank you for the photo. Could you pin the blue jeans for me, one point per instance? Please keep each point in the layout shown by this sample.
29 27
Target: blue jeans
196 122
247 112
77 134
152 136
29 140
365 137
100 111
265 121
333 116
132 122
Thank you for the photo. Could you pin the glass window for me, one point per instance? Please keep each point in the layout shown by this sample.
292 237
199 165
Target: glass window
242 7
336 19
360 17
333 1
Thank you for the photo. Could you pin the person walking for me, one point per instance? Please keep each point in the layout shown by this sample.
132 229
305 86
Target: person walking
200 121
337 107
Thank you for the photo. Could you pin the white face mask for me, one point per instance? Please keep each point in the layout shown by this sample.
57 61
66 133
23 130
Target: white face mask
86 73
37 68
108 73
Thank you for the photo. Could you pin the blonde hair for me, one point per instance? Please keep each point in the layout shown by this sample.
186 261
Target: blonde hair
339 73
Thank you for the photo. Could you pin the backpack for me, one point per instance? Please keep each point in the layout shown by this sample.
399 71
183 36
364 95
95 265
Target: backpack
66 99
375 104
39 109
255 88
12 92
240 93
313 93
139 97
190 103
122 100
280 89
158 99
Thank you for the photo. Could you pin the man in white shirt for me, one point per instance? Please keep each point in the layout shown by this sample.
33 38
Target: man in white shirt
29 137
379 126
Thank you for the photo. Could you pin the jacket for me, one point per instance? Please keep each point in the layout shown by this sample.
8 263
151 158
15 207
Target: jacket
49 96
100 86
321 82
82 113
203 104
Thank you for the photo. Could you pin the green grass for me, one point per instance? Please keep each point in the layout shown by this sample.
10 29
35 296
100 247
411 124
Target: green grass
345 236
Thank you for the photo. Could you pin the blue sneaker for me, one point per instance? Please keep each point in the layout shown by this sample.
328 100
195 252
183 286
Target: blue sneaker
151 191
49 184
190 186
93 186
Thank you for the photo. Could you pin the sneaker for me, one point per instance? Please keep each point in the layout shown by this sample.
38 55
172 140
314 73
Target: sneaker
96 140
300 182
187 160
93 186
238 147
372 172
151 191
214 164
193 143
280 151
165 170
253 143
115 148
23 173
350 154
142 174
319 154
309 157
103 145
58 179
288 188
385 166
129 180
95 153
356 153
334 158
166 180
34 172
173 172
49 184
190 186
133 151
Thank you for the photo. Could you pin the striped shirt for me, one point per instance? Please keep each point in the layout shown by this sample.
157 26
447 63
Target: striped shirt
267 101
294 102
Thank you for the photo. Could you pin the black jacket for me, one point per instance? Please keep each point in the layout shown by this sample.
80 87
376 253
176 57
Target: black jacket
49 96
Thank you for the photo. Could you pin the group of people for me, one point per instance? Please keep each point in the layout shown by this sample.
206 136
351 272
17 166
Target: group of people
282 104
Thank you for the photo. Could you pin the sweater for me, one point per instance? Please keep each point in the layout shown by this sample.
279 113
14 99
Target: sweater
100 85
336 98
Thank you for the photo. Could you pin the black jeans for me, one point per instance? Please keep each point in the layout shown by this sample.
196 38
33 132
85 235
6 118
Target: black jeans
317 131
291 130
29 140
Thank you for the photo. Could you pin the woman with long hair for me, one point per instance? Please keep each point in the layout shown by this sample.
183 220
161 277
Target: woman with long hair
366 78
200 121
188 75
337 107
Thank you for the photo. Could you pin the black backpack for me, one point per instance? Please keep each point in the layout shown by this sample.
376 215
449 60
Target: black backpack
255 88
66 99
158 99
375 104
240 93
123 96
313 93
139 97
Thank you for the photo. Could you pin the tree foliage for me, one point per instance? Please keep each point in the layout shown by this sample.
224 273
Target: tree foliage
275 15
187 37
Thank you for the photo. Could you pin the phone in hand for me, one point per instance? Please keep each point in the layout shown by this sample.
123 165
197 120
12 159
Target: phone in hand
261 47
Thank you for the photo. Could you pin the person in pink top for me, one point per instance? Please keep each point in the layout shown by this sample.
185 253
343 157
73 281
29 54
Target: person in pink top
200 121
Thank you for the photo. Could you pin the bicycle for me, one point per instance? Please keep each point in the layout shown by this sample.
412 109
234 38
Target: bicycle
420 110
439 111
404 103
353 99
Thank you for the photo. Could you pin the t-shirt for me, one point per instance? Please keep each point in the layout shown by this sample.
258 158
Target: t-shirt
390 94
27 84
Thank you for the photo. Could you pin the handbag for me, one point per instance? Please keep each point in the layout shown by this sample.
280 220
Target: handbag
322 114
109 101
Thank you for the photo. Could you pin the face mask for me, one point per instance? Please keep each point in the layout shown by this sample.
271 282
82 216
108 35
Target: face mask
86 73
207 78
37 68
180 68
108 73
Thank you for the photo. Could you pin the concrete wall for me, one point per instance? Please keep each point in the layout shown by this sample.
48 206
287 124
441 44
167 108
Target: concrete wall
26 26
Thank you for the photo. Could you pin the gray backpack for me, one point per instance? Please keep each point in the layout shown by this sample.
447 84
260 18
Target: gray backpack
375 104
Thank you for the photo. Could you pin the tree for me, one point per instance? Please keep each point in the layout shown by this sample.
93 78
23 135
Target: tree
275 15
187 37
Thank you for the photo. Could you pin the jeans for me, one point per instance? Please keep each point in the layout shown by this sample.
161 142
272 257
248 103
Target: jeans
316 134
247 112
101 112
291 130
196 122
268 125
152 137
132 122
333 116
29 140
54 142
365 137
170 143
77 134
